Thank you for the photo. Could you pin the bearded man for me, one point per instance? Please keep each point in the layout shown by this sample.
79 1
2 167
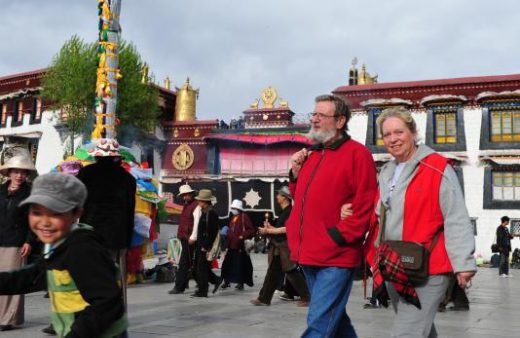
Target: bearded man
336 170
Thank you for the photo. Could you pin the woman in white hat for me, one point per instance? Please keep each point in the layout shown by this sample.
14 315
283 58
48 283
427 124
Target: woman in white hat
237 267
14 233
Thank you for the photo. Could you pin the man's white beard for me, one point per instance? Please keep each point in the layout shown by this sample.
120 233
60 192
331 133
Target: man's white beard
320 136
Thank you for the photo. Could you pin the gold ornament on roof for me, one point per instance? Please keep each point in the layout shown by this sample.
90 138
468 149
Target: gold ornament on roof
167 83
144 73
185 105
269 96
254 105
361 77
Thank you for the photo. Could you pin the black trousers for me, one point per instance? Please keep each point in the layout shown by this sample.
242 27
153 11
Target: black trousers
272 279
185 264
503 268
204 275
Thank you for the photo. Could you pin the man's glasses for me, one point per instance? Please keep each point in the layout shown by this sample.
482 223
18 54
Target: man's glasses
319 115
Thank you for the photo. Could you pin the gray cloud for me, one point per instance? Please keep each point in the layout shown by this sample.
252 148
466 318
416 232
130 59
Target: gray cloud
232 49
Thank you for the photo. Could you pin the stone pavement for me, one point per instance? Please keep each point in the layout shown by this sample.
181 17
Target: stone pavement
495 308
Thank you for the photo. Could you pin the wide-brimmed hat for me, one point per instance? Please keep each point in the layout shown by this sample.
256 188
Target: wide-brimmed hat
284 191
185 189
17 162
204 195
105 147
237 204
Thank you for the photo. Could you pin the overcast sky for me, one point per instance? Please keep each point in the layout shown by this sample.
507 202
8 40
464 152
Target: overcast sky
232 49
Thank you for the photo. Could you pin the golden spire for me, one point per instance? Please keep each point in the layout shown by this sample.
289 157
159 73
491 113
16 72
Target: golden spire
167 83
365 77
144 72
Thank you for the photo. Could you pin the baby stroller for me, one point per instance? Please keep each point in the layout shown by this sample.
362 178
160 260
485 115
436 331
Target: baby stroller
515 260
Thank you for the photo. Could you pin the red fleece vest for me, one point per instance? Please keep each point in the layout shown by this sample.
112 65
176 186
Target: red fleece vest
422 211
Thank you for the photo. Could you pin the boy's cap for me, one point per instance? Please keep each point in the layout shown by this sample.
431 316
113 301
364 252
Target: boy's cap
58 192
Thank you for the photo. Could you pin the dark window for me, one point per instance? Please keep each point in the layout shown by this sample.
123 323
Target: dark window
16 111
445 128
474 225
505 125
35 111
3 111
506 185
500 125
514 226
502 187
17 117
374 141
147 156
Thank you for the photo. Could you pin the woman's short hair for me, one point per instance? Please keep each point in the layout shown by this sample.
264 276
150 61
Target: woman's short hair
399 112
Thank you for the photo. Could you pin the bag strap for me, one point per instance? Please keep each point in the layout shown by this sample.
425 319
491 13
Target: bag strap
382 218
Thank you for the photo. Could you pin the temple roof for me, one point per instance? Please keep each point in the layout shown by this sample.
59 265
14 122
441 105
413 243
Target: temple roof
262 137
415 91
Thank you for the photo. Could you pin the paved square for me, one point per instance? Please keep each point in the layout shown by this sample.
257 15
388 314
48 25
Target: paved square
153 313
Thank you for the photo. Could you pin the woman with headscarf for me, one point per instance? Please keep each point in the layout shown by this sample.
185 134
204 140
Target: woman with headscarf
237 267
15 236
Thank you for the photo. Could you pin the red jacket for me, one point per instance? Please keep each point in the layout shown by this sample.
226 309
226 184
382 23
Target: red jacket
186 220
422 214
343 172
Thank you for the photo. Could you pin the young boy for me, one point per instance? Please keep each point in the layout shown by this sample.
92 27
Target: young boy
86 300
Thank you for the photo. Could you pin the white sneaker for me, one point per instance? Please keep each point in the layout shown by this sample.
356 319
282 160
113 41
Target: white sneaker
503 275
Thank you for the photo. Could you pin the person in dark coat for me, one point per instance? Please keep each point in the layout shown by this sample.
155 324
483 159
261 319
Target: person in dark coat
237 266
207 231
16 241
183 234
110 205
279 257
504 246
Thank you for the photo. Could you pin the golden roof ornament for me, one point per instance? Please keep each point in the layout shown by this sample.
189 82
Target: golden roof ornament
144 72
365 77
185 105
269 96
254 105
167 83
361 77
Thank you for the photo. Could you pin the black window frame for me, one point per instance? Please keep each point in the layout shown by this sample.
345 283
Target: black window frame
488 201
430 136
370 141
17 115
2 105
485 130
35 118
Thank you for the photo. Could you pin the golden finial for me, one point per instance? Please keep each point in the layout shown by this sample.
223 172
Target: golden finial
254 105
144 78
365 78
167 83
283 103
